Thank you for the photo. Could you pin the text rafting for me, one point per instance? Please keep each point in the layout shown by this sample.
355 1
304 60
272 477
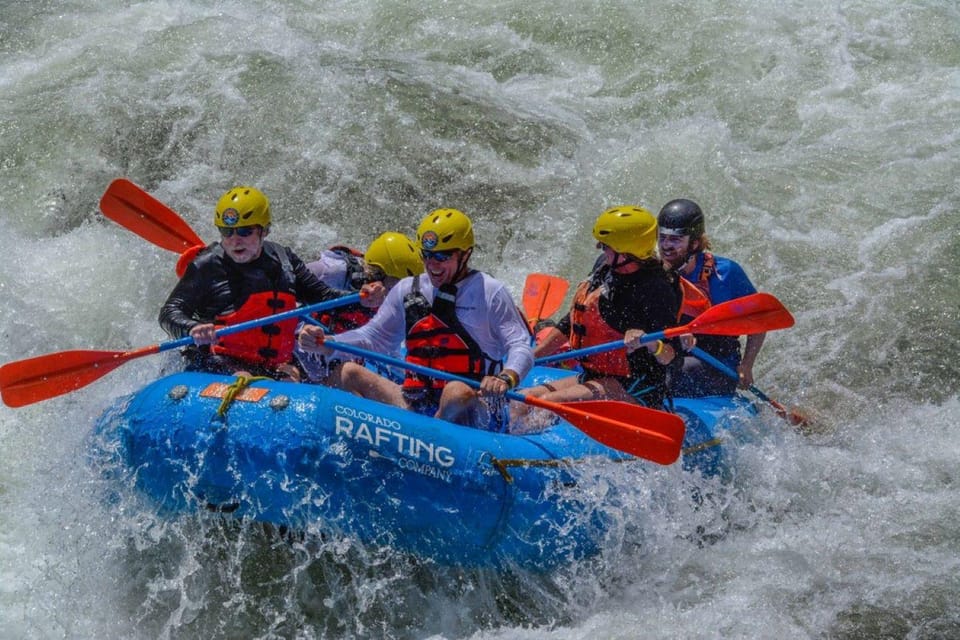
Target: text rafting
384 436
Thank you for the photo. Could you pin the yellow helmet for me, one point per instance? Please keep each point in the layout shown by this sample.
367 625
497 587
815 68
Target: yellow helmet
242 207
627 229
395 254
445 230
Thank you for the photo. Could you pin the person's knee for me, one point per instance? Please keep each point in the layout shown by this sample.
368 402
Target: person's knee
456 398
459 392
351 375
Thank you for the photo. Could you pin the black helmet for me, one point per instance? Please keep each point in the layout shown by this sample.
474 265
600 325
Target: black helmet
681 217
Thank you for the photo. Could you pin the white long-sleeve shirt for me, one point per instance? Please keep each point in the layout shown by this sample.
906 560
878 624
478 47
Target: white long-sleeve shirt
483 306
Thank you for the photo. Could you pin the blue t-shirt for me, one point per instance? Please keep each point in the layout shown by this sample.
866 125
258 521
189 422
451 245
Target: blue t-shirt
728 280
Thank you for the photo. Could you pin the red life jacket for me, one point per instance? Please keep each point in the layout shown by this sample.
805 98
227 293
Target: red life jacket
588 328
437 339
269 345
340 321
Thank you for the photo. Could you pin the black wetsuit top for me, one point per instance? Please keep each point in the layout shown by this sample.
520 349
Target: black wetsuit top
214 285
647 299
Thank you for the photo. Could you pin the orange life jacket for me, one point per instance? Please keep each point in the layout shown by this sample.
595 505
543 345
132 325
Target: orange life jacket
709 266
588 328
696 295
719 346
437 339
694 300
269 345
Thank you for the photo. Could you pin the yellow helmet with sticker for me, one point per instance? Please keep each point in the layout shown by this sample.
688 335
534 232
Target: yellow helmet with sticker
242 207
445 230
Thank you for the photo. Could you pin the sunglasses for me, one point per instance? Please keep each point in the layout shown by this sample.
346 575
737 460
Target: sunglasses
436 256
243 232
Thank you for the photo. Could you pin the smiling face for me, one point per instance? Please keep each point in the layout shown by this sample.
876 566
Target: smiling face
674 250
443 266
242 249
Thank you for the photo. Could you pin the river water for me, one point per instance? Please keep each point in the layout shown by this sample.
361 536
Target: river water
820 138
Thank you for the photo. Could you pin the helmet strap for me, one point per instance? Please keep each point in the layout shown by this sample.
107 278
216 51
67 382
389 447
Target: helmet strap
462 270
690 262
621 260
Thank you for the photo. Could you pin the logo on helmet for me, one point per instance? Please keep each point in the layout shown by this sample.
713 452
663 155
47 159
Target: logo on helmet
230 217
429 240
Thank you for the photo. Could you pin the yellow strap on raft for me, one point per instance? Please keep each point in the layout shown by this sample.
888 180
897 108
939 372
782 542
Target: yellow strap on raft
241 383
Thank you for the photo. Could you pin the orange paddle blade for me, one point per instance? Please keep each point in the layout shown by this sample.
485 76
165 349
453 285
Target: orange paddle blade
756 313
617 425
34 379
130 206
542 296
794 416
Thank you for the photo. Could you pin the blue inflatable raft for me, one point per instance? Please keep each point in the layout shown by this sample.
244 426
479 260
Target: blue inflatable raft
308 457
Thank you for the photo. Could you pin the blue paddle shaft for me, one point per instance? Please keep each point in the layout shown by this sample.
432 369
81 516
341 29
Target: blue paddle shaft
597 348
403 364
260 322
725 370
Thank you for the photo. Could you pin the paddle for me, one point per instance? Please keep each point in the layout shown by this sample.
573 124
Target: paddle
542 296
612 423
130 206
34 379
792 416
756 313
127 204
